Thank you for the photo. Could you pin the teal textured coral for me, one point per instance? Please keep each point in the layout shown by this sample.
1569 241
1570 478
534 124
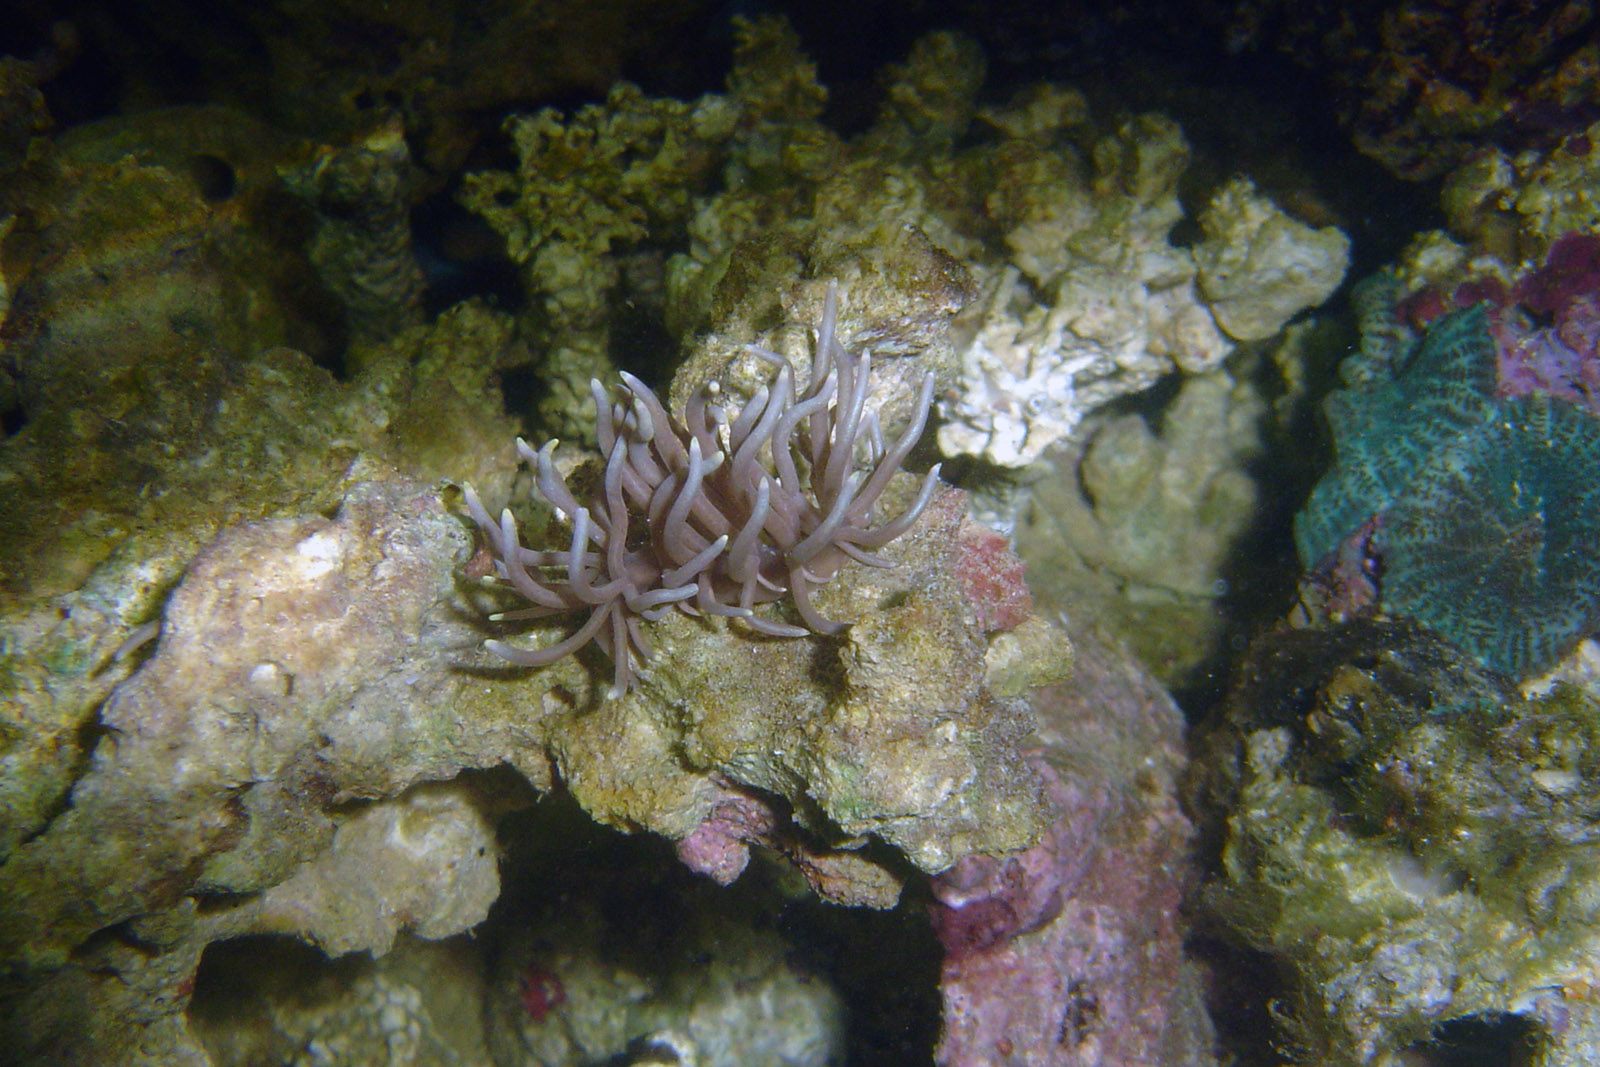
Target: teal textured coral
1488 508
1495 543
1386 432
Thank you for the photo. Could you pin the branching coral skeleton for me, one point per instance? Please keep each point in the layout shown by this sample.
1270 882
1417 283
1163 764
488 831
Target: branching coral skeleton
714 516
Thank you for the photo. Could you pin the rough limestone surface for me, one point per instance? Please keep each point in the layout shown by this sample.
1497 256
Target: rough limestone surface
603 178
241 640
1504 212
1259 267
1070 953
896 303
362 249
1515 206
304 663
890 732
1410 842
119 250
797 194
146 341
277 1001
693 980
1063 224
276 739
1134 530
1110 305
205 441
219 620
425 862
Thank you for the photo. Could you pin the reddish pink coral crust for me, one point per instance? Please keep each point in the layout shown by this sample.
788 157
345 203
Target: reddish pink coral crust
992 577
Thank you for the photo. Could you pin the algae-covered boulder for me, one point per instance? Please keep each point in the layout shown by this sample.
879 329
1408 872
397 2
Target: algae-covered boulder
1410 842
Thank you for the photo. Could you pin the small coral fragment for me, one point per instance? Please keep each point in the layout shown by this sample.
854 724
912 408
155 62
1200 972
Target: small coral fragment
1259 267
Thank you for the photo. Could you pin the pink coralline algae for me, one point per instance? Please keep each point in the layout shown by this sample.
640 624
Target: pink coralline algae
719 847
740 820
985 901
1346 586
1069 954
540 992
992 577
1546 324
1557 351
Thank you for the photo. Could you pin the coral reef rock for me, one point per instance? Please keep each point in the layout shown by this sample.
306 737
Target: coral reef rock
1118 307
1259 267
1421 84
890 731
303 664
603 179
1133 529
1122 307
1516 205
694 983
1070 953
1409 843
362 247
138 236
262 1000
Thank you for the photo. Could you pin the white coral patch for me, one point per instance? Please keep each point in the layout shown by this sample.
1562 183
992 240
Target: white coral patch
318 554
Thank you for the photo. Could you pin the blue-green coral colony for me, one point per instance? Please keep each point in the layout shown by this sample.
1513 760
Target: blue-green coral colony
1488 508
1386 432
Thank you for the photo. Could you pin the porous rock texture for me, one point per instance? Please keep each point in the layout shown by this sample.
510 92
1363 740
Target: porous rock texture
305 744
1070 954
303 667
1408 839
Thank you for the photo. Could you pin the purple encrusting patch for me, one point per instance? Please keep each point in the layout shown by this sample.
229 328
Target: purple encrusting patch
713 515
1561 360
1554 347
1546 325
